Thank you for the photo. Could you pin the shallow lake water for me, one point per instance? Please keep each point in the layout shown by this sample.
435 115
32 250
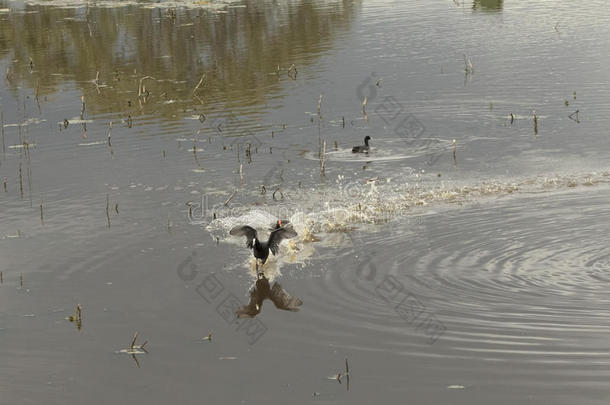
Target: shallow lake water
464 259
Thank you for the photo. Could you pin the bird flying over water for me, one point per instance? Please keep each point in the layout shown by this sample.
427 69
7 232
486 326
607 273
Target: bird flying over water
261 248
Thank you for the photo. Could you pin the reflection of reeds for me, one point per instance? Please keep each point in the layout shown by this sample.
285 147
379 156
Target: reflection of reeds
364 109
468 68
292 72
535 123
4 184
41 213
1 278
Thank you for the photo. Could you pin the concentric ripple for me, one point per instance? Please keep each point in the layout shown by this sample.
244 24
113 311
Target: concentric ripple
524 281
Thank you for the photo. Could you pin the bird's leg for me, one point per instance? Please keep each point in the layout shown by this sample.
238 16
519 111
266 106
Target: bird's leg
262 271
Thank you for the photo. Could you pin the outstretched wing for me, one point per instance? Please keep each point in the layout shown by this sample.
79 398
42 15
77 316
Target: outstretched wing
283 300
276 237
247 231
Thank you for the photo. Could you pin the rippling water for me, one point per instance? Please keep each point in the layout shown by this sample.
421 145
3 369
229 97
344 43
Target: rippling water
464 259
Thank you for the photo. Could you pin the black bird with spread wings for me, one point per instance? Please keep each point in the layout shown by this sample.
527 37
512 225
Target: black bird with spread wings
262 291
259 248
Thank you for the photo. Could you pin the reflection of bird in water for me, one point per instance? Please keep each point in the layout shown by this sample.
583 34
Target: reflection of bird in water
362 148
259 248
262 291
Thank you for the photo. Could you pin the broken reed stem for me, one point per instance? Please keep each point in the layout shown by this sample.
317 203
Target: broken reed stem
4 184
241 173
133 342
140 87
110 140
21 280
320 107
169 224
20 181
199 83
107 211
2 130
41 213
535 123
323 157
454 153
230 198
82 107
1 278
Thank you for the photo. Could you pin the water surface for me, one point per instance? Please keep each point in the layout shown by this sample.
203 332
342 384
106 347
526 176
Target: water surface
464 259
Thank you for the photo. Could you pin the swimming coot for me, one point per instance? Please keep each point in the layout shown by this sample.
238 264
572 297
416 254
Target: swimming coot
362 148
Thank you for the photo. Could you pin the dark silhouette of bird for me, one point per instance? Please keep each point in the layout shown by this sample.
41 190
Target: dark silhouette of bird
260 248
362 148
262 291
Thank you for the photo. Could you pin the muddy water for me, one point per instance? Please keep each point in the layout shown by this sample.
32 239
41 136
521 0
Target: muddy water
463 272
